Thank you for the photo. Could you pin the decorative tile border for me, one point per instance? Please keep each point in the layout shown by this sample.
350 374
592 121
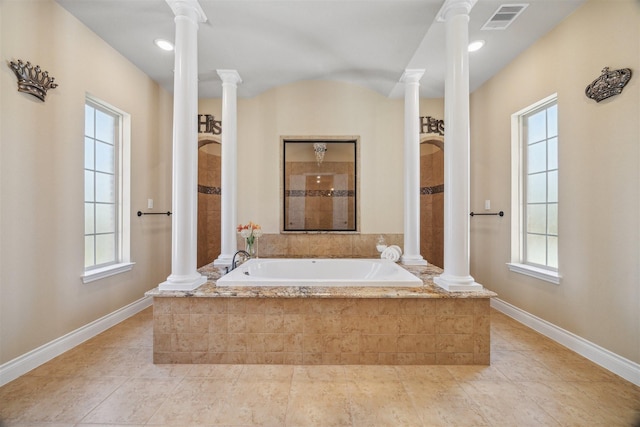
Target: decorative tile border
209 190
432 190
320 193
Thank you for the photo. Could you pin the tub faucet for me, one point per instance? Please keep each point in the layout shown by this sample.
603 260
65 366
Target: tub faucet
233 261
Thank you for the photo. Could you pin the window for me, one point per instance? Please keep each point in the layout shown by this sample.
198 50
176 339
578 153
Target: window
106 190
535 190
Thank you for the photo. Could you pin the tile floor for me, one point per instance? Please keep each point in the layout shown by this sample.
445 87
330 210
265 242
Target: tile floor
110 380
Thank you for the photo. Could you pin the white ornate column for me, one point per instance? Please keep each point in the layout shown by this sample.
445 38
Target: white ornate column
456 277
411 80
229 178
184 235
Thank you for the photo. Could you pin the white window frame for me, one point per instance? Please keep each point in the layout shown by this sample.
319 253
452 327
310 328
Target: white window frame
123 198
518 199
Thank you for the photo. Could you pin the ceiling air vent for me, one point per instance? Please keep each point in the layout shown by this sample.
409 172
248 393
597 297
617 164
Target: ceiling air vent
504 16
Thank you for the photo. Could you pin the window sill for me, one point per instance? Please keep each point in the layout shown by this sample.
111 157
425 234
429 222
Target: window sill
538 273
101 273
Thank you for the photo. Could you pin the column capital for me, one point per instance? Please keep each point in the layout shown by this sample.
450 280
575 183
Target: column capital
412 76
187 7
229 76
455 6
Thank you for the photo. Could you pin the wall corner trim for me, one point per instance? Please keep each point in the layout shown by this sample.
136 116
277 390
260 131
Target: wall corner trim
609 360
22 364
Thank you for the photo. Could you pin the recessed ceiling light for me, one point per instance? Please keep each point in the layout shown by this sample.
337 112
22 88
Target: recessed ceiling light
476 45
163 44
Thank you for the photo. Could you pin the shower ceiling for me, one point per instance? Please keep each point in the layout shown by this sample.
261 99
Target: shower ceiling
274 42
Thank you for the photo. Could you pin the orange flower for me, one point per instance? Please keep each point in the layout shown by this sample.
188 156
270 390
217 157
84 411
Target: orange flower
250 227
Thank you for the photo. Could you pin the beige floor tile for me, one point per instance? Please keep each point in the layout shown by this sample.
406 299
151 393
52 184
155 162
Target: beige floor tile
569 366
20 395
465 373
519 366
75 362
132 337
266 372
109 425
111 380
564 402
375 373
443 403
195 401
61 399
255 402
324 373
226 372
134 402
617 401
505 404
36 424
426 373
318 402
526 340
377 400
149 370
114 361
69 399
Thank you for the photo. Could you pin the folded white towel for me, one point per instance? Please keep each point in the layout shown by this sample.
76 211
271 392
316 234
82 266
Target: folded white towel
396 247
391 253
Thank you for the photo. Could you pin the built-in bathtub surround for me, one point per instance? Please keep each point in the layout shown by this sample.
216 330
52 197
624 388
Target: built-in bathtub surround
322 325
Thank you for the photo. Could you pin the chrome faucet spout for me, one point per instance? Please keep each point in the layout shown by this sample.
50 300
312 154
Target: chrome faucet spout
245 254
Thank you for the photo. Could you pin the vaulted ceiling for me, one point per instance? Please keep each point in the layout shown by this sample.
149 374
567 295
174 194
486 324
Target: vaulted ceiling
275 42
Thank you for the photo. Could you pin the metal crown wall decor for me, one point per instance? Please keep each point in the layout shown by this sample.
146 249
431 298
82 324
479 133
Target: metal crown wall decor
610 83
32 80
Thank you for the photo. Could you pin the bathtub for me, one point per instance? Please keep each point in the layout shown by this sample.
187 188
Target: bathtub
319 272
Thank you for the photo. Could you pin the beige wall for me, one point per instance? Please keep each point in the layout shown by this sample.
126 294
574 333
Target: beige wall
41 178
326 109
599 151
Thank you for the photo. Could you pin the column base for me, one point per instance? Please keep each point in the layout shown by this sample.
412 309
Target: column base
457 283
413 260
182 283
223 260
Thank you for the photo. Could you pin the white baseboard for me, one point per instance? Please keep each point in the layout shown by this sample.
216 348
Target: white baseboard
625 368
21 365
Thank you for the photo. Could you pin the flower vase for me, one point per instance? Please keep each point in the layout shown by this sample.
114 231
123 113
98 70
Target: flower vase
251 247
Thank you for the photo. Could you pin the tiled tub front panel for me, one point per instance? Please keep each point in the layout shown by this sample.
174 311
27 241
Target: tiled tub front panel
321 331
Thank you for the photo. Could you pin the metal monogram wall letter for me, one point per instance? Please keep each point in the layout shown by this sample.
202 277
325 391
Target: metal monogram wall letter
208 124
610 83
32 80
430 125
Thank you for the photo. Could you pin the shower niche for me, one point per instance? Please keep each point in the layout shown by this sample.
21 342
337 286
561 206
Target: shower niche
319 184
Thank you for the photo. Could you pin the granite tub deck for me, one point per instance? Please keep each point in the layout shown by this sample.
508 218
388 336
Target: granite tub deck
322 325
